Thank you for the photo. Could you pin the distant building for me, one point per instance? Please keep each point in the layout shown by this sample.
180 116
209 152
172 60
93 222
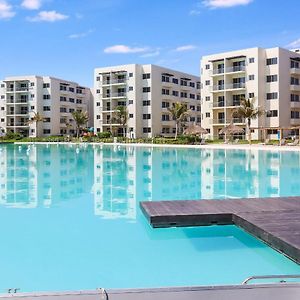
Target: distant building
147 91
54 99
270 76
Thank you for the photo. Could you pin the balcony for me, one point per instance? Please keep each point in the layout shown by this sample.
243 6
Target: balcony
113 82
217 72
295 104
20 124
114 95
17 101
295 71
231 86
18 89
222 121
235 69
20 113
295 87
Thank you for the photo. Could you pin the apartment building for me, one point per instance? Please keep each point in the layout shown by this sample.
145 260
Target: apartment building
54 99
147 91
270 76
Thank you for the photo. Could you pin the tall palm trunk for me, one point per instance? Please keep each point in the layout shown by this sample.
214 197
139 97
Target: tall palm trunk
249 130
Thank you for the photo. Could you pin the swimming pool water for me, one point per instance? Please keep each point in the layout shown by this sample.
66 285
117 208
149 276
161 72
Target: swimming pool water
70 217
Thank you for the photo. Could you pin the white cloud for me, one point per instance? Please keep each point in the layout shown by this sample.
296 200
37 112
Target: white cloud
31 4
80 35
48 16
123 49
151 54
225 3
6 10
185 48
294 44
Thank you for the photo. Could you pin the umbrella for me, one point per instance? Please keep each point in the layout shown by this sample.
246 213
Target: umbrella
231 129
195 130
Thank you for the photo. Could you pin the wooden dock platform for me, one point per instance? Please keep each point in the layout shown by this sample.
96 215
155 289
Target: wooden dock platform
276 221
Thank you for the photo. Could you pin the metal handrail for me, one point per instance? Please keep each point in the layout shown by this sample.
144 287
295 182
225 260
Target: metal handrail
246 281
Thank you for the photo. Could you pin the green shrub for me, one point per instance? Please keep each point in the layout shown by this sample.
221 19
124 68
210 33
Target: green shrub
12 136
104 135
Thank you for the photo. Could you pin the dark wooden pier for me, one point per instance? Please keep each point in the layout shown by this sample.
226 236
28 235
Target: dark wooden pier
276 221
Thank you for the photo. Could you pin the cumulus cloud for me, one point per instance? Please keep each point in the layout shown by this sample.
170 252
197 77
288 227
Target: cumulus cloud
225 3
6 10
185 48
48 16
123 49
31 4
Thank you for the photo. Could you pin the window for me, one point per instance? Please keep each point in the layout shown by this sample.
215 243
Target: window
130 74
207 82
31 83
146 116
32 96
146 129
183 94
272 61
47 120
175 93
294 81
72 100
63 88
71 110
183 82
207 98
130 88
251 77
295 64
98 91
271 96
78 101
192 119
46 85
165 92
2 108
165 104
272 131
46 108
198 108
46 97
192 96
251 60
198 119
146 89
295 98
295 114
146 102
192 107
175 80
207 115
2 121
63 109
71 89
272 113
2 97
32 107
165 78
63 99
130 101
198 85
79 91
198 97
251 95
46 131
192 84
98 78
165 118
146 76
207 67
130 116
271 78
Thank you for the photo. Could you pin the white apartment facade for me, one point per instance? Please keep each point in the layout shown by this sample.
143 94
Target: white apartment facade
147 91
54 99
270 76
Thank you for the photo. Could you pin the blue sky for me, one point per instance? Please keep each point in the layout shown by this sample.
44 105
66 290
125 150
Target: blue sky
69 38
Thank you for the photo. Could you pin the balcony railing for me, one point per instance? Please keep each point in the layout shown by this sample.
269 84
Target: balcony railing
235 69
228 121
23 124
295 70
114 81
218 71
114 95
230 86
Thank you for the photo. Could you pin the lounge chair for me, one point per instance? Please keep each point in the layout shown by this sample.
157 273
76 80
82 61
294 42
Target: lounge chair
282 142
294 143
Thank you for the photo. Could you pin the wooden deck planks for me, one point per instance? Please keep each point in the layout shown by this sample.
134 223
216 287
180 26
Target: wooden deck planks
276 221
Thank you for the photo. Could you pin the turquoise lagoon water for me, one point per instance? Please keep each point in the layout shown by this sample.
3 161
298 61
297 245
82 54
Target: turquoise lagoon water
70 217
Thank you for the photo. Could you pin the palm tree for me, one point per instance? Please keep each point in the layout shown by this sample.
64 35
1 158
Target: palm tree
37 118
179 112
80 118
121 117
249 112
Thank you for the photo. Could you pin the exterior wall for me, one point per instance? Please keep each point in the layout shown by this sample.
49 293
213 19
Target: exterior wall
126 85
253 63
23 96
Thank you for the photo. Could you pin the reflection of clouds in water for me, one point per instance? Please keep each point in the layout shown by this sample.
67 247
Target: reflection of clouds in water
119 177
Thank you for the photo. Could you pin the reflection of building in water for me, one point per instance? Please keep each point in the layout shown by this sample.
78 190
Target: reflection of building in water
18 177
42 175
115 182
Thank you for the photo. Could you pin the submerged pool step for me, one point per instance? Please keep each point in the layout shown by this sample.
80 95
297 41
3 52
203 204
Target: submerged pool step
276 221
